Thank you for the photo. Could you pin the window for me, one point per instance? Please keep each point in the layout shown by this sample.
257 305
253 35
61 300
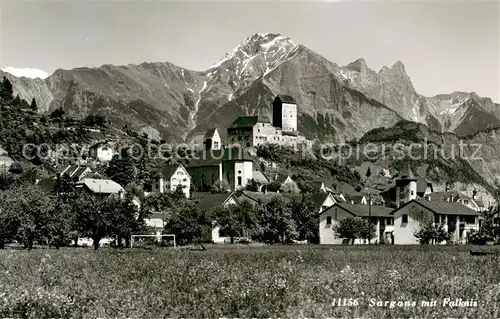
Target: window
239 180
180 173
239 172
404 219
437 218
258 130
468 219
216 144
389 221
402 189
466 202
328 220
184 179
411 193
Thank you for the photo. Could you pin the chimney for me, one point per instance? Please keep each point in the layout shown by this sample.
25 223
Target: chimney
474 194
446 188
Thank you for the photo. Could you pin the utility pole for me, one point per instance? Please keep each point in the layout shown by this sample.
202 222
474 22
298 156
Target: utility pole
370 215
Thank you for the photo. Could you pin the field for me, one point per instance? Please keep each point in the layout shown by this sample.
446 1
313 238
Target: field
292 282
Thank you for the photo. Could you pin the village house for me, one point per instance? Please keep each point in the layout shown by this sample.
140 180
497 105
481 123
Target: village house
75 172
252 131
260 179
424 187
208 202
102 151
5 161
232 165
170 177
457 218
379 216
101 187
284 181
212 140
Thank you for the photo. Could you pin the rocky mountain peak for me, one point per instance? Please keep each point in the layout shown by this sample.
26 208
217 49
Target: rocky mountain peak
359 65
269 46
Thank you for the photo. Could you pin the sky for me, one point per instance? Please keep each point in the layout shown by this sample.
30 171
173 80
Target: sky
445 46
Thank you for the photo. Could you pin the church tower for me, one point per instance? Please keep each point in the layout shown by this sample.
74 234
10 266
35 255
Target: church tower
406 187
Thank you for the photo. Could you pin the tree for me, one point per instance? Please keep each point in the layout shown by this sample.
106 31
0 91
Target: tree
126 218
57 113
304 214
368 172
121 169
276 221
235 220
93 216
220 187
33 105
188 223
6 91
28 214
430 233
354 228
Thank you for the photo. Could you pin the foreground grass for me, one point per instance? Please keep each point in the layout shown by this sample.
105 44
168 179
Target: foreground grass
298 281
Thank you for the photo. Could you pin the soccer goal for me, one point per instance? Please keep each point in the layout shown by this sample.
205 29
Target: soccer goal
157 238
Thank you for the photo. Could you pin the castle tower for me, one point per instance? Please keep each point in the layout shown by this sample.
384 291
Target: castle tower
406 187
285 113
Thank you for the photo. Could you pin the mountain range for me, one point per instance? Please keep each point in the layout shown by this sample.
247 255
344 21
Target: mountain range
336 103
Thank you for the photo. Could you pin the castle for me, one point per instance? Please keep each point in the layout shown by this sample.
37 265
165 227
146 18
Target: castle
232 163
252 131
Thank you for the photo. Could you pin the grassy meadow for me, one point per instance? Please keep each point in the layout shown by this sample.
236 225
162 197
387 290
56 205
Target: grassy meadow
237 282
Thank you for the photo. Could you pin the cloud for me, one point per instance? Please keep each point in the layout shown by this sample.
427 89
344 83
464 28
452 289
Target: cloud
26 72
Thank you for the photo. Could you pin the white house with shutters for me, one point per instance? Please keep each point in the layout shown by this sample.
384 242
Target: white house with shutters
172 176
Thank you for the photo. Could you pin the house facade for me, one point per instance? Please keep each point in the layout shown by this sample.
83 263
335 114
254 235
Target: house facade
212 140
232 165
170 177
102 151
457 218
208 202
379 216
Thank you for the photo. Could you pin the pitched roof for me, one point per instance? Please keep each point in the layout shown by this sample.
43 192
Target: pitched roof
100 144
442 196
286 98
422 184
210 133
214 157
319 198
265 198
408 174
168 170
259 177
247 122
281 178
442 207
208 201
479 203
363 210
105 186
